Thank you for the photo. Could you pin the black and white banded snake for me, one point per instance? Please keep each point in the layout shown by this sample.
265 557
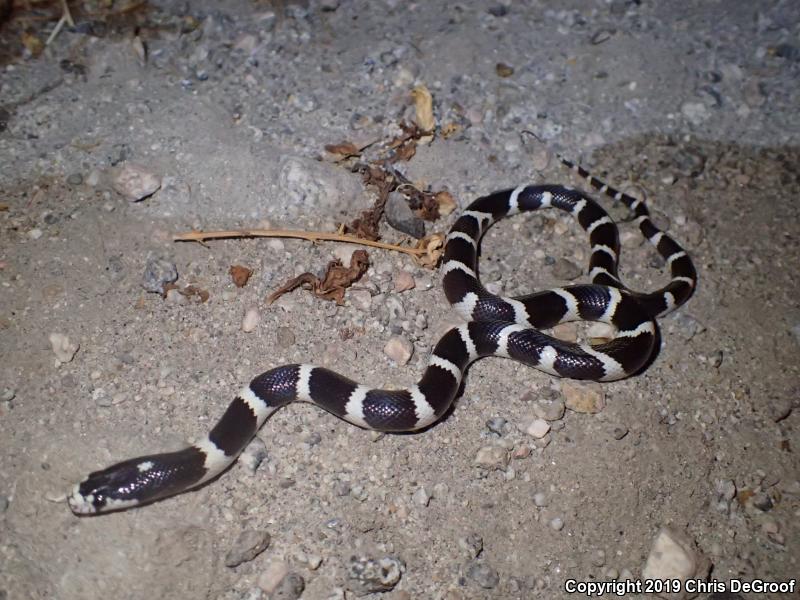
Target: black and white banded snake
507 327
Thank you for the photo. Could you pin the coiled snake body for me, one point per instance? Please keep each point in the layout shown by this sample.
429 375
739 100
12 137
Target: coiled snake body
507 327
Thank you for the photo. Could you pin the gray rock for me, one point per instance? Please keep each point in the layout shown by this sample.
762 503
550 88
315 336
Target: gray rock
157 273
566 269
400 216
253 455
135 182
290 588
371 575
247 546
484 575
472 544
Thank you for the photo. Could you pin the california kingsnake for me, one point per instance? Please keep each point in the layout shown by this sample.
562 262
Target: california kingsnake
496 326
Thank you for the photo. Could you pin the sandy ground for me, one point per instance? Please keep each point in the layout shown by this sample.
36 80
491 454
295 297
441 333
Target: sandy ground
691 104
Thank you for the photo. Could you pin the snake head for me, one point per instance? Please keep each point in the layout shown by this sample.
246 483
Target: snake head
114 488
136 481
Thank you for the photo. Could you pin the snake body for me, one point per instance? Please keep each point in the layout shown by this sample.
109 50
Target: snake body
496 326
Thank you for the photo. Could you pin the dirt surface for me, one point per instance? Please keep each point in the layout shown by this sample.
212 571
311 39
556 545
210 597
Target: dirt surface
231 109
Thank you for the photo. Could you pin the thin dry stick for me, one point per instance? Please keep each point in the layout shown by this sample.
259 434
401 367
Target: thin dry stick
311 236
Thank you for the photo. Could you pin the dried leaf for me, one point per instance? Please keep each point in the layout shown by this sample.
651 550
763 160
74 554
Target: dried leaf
423 104
504 70
344 150
195 293
367 224
446 202
240 275
32 43
450 129
434 248
332 286
140 50
407 151
425 206
190 291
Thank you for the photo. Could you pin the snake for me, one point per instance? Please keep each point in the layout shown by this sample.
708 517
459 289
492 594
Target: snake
499 326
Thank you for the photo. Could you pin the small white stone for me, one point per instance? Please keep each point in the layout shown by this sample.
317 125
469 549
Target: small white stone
135 182
672 557
35 233
272 576
583 397
250 320
631 239
63 348
360 299
403 281
399 349
492 457
344 252
557 523
421 497
539 499
538 428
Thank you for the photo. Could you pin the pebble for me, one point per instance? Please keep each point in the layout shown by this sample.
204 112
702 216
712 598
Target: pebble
421 497
8 394
538 428
344 252
472 544
400 216
583 397
619 432
779 409
4 502
630 239
539 499
687 325
557 523
290 588
403 281
762 501
549 409
492 457
695 112
482 574
399 349
328 5
360 299
247 546
496 425
598 558
284 337
175 297
158 271
63 348
272 576
35 233
75 179
371 575
672 557
135 182
253 455
565 269
251 319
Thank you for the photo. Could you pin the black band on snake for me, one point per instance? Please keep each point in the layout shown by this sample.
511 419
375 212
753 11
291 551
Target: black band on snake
507 327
